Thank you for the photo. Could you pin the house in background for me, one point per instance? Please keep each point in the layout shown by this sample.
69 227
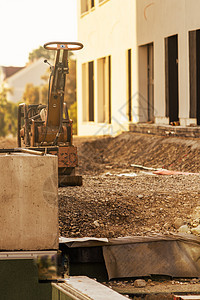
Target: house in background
6 72
17 82
140 63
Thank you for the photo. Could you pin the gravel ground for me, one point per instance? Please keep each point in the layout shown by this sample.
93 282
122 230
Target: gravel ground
156 290
109 205
112 206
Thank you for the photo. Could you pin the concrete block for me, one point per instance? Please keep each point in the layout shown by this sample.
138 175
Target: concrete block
82 287
28 202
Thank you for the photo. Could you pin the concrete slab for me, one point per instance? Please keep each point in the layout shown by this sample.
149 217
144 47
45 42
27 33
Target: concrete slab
28 202
91 289
166 130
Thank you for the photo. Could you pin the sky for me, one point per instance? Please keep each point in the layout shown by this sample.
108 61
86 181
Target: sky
27 24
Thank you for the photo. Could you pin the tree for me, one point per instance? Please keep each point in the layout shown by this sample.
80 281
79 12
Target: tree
73 116
8 114
10 118
70 86
41 52
31 94
44 94
3 103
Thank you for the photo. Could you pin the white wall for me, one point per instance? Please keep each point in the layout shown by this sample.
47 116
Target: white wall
157 20
109 29
30 74
118 25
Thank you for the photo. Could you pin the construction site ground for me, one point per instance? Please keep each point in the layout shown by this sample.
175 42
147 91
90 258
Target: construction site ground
117 199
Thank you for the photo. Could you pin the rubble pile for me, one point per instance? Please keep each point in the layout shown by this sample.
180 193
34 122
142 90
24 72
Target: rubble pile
172 153
119 200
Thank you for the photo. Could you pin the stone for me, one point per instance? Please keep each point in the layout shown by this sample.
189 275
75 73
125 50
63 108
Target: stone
140 283
96 223
166 226
184 229
178 223
157 226
197 212
195 223
196 230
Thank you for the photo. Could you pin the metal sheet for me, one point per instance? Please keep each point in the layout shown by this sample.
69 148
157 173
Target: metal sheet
173 255
171 258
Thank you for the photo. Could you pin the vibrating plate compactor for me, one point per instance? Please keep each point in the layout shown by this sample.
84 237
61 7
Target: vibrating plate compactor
48 128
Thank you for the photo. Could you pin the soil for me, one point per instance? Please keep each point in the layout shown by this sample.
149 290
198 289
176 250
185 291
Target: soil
110 205
96 154
117 199
8 142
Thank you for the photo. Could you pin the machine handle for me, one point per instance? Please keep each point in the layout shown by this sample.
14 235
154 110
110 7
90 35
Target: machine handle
63 46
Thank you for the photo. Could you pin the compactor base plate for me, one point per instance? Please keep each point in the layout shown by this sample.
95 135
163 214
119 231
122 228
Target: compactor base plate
70 180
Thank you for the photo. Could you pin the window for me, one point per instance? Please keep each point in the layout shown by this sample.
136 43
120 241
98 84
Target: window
104 89
92 4
91 90
102 1
86 5
194 67
193 72
171 78
88 91
129 85
146 83
109 92
85 91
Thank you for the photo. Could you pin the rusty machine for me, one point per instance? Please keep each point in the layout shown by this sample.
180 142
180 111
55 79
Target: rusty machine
48 128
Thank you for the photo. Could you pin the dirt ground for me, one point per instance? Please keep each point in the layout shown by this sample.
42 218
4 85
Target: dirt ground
8 142
111 205
117 199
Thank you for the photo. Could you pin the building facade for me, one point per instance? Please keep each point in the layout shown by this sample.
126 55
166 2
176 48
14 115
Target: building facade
171 29
108 33
140 63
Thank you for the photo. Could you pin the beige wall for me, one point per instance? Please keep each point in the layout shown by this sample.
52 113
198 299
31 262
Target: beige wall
118 25
107 30
157 20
